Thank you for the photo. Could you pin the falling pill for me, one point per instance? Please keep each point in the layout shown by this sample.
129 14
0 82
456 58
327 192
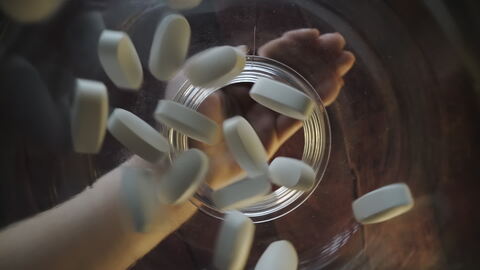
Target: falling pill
234 242
30 11
383 204
242 193
187 121
279 255
245 145
282 98
183 4
138 189
137 136
291 173
119 59
215 67
183 178
82 34
89 116
27 106
169 47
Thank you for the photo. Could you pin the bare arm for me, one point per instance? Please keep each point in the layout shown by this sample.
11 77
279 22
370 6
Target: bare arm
91 231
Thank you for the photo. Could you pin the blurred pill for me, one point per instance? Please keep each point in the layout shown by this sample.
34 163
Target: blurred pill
59 79
234 241
119 59
291 173
27 106
282 98
169 47
245 146
138 189
242 193
182 180
183 4
383 204
89 116
215 67
187 121
30 11
279 255
138 136
82 36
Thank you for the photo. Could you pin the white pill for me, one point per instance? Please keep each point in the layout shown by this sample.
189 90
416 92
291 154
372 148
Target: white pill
291 173
183 4
279 255
282 98
119 59
233 242
30 11
215 67
187 121
242 193
138 189
89 116
245 146
382 204
169 47
136 135
182 180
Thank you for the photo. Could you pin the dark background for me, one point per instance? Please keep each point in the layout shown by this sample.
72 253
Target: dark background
408 112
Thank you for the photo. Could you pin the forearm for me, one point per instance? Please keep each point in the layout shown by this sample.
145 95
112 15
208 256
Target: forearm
91 231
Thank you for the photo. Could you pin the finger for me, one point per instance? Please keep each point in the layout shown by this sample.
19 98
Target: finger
332 42
274 48
304 34
242 48
286 128
344 63
330 89
174 85
237 98
263 121
212 107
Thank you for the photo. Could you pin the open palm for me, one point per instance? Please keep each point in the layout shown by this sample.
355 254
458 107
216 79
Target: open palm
320 58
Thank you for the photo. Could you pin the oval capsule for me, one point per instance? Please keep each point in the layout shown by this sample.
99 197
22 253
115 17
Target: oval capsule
282 98
183 4
383 204
138 136
234 242
169 47
291 173
187 121
182 180
120 60
279 255
30 11
245 146
242 193
89 116
215 67
138 190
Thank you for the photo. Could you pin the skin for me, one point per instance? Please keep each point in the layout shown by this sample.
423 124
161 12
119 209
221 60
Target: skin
94 229
323 65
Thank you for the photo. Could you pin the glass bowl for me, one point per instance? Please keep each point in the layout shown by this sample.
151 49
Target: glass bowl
316 132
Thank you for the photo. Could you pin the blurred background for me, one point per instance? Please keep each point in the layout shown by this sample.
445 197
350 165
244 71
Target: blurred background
409 112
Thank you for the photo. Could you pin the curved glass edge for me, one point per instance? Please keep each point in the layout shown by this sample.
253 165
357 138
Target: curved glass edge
317 137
